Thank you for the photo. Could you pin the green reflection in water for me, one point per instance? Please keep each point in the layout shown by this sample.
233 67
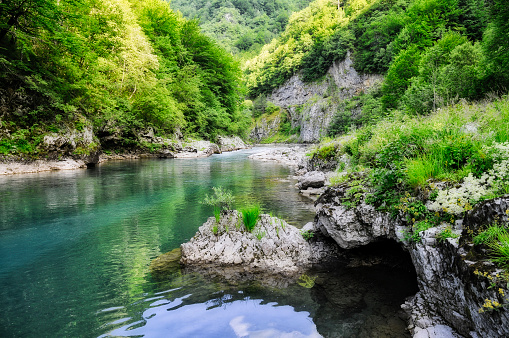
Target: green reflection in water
75 243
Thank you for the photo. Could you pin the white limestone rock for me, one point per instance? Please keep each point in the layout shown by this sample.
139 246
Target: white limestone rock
281 249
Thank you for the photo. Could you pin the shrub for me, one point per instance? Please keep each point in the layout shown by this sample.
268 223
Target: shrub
222 199
250 216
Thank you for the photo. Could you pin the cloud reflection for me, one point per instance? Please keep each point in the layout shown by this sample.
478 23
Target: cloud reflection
241 318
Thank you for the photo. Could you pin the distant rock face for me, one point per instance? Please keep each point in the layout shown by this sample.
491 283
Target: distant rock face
310 105
278 249
451 294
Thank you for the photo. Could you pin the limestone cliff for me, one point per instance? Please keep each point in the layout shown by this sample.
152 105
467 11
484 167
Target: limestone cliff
311 106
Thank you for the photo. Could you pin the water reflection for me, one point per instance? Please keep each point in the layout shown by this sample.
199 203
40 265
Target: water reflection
75 242
75 250
234 318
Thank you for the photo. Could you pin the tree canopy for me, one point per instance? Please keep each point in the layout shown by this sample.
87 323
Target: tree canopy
124 65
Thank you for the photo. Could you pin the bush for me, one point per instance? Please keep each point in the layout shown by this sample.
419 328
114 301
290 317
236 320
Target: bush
222 199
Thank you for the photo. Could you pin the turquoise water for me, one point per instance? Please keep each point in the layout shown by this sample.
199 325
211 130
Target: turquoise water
75 249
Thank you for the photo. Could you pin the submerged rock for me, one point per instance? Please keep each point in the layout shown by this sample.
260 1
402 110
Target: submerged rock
166 264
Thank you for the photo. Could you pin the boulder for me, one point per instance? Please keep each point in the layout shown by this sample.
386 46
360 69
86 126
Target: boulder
231 143
311 179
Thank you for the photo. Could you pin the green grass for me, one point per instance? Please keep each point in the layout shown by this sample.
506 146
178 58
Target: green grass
489 235
250 216
500 249
217 214
496 237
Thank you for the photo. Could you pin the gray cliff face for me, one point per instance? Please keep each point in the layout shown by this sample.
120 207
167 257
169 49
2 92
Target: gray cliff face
451 294
311 106
264 129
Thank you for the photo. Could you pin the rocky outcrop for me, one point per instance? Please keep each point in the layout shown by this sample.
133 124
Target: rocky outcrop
264 129
79 144
201 148
451 293
311 106
311 179
230 143
273 247
23 167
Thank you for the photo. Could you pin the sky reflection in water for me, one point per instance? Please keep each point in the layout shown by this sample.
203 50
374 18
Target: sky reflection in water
240 318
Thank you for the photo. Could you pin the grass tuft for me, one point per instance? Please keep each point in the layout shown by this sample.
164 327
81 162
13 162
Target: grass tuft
250 216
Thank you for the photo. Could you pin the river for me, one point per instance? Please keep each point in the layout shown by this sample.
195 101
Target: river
75 250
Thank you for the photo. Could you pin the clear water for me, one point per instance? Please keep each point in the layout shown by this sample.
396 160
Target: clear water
75 250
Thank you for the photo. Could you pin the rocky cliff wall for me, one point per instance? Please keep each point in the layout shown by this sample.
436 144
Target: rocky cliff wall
311 106
453 296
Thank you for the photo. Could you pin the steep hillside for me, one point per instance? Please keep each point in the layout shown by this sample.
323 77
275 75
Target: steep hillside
431 54
240 26
116 68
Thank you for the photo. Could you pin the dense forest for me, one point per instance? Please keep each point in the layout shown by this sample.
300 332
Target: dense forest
240 26
431 52
117 66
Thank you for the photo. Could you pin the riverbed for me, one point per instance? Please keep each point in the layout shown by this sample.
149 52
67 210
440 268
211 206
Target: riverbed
75 250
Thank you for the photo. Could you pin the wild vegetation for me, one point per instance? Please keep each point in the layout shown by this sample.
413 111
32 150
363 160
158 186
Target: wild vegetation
432 53
117 66
242 27
430 170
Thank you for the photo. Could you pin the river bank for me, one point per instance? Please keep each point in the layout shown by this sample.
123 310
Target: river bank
189 149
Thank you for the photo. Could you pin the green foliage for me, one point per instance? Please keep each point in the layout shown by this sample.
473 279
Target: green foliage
131 65
325 151
430 50
250 216
306 281
404 155
217 214
222 199
417 228
489 235
307 234
496 46
500 249
446 233
496 238
260 234
215 230
240 26
355 192
308 34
